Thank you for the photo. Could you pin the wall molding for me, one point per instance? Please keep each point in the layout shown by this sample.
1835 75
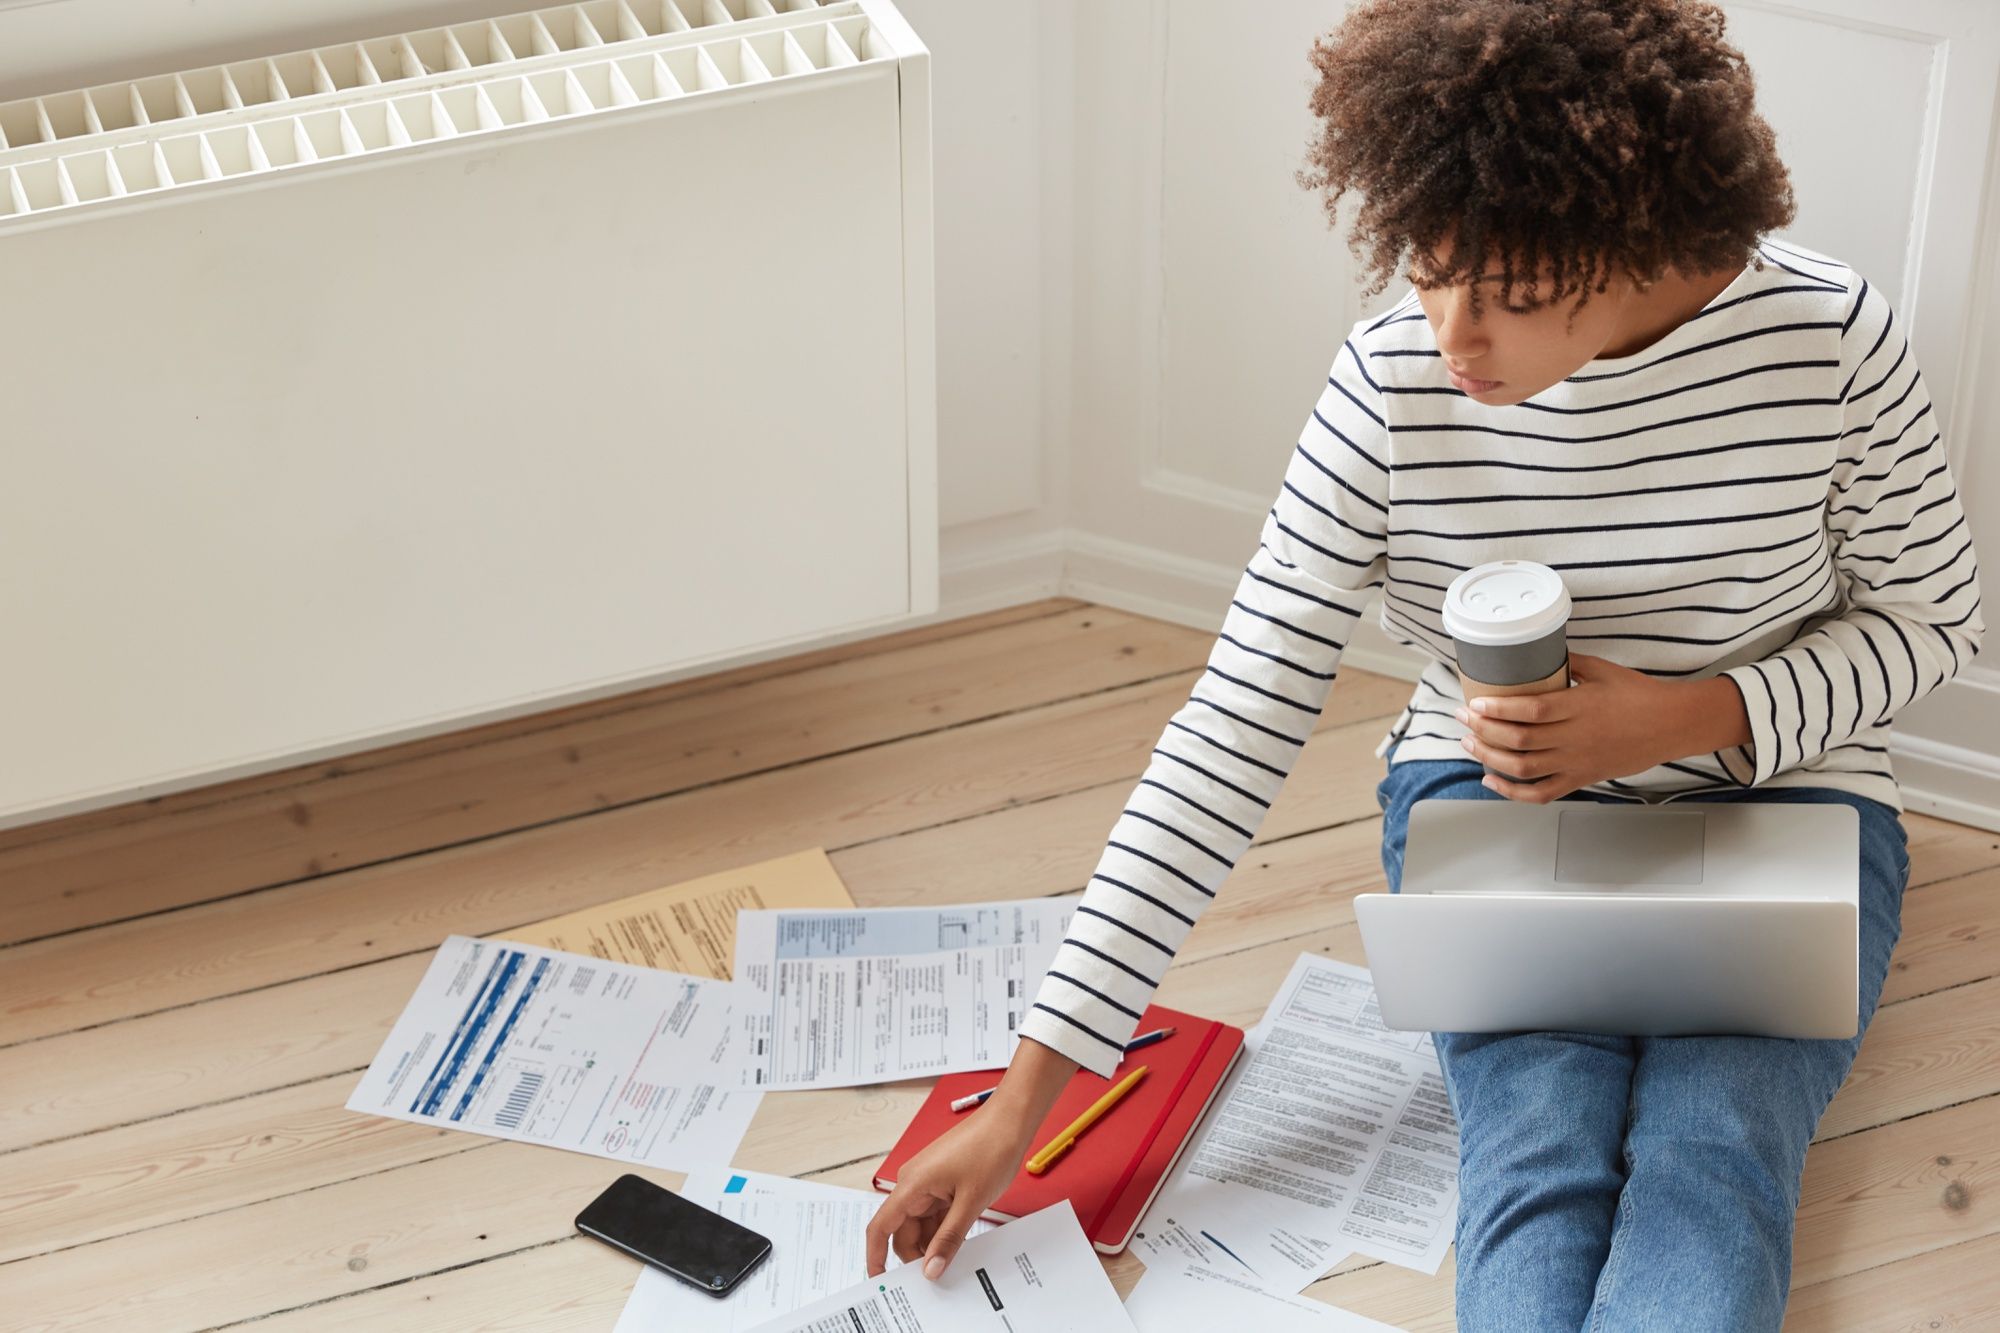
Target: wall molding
979 574
1948 781
1162 480
1981 677
1147 581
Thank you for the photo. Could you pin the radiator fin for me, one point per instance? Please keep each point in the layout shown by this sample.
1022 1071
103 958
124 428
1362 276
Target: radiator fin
273 130
345 68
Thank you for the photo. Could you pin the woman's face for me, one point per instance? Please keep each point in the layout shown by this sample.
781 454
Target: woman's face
1504 357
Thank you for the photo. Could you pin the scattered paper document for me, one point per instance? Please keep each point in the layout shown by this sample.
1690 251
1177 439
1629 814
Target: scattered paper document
690 927
831 999
1282 1245
1188 1298
1035 1275
525 1043
1232 1230
1163 1240
818 1246
1334 1135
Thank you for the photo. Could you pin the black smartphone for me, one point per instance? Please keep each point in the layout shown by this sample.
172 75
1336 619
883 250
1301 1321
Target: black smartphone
681 1239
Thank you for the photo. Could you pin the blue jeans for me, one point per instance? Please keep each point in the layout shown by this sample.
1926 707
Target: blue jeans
1639 1183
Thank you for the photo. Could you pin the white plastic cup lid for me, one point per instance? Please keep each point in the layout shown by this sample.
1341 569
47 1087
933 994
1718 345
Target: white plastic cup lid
1505 602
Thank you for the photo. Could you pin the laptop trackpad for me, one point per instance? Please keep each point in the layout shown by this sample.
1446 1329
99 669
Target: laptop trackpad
1609 845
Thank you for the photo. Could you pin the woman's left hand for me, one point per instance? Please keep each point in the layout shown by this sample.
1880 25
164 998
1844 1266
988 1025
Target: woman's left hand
1611 723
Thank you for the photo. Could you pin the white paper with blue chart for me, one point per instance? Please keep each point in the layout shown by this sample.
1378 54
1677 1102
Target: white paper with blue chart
566 1050
833 999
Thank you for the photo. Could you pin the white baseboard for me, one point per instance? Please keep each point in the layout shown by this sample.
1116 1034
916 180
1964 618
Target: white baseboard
985 575
1146 582
1948 781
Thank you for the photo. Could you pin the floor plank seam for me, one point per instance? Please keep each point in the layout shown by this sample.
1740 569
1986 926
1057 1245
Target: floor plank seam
1111 784
841 1166
184 1110
249 1203
1916 884
1891 1263
211 999
559 820
1265 944
333 770
1283 838
1993 1097
385 1286
1939 990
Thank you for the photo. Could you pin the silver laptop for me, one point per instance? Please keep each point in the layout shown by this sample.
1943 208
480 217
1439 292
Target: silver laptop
1653 920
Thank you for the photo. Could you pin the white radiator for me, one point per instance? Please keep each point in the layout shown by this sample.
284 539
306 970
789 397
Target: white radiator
365 392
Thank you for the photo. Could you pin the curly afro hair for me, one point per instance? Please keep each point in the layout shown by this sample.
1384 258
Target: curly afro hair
1585 136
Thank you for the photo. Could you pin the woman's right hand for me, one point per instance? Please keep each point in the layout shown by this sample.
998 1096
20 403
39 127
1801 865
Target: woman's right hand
944 1188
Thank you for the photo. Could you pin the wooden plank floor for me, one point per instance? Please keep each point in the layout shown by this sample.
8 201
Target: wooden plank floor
190 986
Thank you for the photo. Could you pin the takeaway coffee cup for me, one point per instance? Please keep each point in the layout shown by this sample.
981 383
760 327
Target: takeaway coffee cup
1506 619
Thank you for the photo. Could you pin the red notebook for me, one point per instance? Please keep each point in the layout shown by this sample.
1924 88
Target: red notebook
1113 1171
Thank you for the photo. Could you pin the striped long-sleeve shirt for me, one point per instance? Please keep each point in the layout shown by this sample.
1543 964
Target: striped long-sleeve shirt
1761 493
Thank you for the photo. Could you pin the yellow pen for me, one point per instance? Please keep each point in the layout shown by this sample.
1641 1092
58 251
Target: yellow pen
1059 1145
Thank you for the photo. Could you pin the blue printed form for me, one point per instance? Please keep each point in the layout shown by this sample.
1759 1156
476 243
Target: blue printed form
567 1050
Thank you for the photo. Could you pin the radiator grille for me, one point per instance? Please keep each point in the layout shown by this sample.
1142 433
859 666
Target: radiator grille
331 70
595 76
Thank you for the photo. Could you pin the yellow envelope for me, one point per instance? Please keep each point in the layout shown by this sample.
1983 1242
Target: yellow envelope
690 927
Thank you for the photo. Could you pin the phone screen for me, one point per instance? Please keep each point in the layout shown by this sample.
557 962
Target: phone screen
659 1227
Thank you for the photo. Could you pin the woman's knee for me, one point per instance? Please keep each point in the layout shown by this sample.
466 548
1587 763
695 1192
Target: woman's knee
1749 1105
1541 1127
1534 1092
